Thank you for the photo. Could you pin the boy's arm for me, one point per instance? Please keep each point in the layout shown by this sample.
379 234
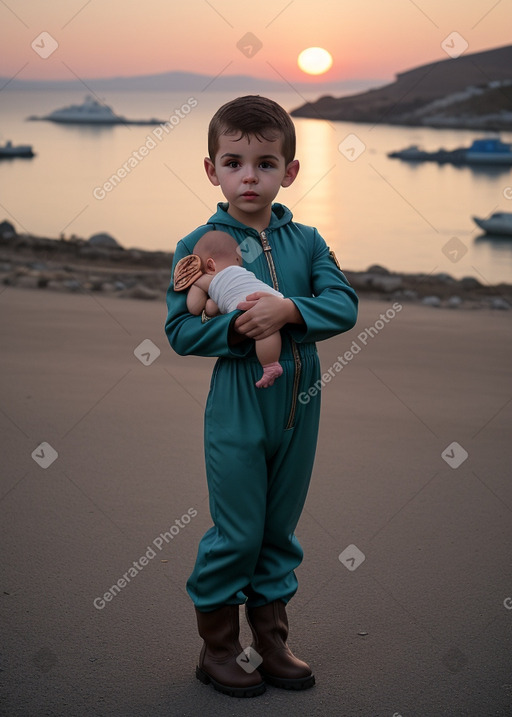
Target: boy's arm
333 307
330 307
187 334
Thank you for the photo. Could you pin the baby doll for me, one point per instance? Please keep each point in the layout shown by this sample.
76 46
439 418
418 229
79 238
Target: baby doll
217 282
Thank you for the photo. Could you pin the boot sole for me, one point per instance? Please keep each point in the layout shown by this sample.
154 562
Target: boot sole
205 678
302 683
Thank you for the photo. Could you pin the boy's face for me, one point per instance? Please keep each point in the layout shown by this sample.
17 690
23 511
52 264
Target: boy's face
250 173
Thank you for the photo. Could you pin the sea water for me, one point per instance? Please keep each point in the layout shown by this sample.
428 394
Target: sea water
370 209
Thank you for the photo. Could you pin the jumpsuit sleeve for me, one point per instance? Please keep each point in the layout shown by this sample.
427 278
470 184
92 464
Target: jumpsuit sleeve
187 334
332 308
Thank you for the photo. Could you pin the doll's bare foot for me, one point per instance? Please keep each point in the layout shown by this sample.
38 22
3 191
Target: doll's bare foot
270 372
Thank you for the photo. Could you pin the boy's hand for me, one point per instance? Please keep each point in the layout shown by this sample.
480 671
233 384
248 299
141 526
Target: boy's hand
265 314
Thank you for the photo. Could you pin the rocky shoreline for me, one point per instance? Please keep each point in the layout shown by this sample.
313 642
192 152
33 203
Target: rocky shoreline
100 265
468 91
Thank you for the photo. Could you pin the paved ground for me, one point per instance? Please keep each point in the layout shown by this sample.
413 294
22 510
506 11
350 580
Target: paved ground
421 627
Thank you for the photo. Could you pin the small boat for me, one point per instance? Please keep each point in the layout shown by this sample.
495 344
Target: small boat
482 152
10 150
441 156
489 151
411 154
91 112
499 223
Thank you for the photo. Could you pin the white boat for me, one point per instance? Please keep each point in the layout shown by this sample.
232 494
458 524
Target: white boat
499 223
91 112
10 150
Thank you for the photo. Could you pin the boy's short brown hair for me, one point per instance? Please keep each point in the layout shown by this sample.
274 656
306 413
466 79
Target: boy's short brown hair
252 115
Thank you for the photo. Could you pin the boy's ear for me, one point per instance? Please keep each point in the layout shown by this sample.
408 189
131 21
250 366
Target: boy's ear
292 170
210 171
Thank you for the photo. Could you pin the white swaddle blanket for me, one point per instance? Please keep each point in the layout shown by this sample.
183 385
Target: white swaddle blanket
231 285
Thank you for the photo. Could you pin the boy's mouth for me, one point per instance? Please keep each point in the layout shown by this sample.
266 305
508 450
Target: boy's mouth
249 195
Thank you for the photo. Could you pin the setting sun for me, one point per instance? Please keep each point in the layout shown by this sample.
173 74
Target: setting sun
315 60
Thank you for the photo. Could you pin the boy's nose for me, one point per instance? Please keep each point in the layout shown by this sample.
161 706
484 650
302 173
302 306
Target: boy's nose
250 176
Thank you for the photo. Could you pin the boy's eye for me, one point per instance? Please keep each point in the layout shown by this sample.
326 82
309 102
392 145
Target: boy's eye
266 165
232 163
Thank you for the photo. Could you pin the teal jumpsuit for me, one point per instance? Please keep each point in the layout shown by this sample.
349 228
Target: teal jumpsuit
260 443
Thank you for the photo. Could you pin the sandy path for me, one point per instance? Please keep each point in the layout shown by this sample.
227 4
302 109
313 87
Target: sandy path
431 593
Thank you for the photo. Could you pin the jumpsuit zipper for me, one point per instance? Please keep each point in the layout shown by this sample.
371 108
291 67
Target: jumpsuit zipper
267 250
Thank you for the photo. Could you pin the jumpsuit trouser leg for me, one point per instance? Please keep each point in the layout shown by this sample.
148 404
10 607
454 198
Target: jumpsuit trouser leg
258 474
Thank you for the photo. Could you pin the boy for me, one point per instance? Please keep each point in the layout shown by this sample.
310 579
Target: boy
222 286
259 445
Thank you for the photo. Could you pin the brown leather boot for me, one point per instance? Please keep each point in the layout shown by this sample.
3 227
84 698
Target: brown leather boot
280 667
220 630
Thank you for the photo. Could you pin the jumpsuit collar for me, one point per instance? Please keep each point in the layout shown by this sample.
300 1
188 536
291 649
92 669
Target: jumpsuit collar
280 215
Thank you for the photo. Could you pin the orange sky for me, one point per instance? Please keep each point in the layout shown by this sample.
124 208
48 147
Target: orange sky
368 38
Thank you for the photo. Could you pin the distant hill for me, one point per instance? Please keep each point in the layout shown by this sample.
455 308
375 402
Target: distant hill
185 82
471 91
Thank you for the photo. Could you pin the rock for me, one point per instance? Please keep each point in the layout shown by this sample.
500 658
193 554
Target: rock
104 240
499 303
376 282
385 283
95 283
469 282
93 253
358 281
56 285
24 241
72 285
7 230
454 302
377 269
445 278
431 301
52 275
139 291
29 281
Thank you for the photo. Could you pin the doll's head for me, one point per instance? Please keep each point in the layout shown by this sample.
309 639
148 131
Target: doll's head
217 250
